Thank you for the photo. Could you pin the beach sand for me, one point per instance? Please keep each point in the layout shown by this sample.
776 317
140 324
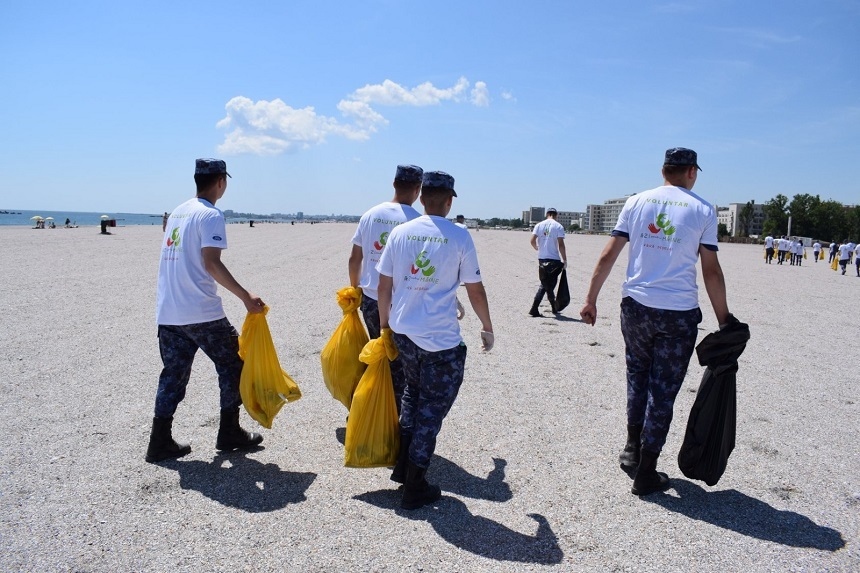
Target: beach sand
527 458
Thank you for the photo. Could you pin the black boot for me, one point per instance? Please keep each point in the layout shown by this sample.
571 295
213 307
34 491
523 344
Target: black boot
648 479
231 436
416 491
398 474
534 311
629 456
161 444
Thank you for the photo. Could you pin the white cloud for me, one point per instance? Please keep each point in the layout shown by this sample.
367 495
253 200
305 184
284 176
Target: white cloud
480 95
272 127
508 96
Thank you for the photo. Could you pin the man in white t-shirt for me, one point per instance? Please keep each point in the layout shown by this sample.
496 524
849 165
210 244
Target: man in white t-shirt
834 248
461 222
190 315
845 251
548 240
816 250
768 249
857 258
421 267
668 229
369 242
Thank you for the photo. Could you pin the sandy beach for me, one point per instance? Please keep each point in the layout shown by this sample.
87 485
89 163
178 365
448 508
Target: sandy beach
527 458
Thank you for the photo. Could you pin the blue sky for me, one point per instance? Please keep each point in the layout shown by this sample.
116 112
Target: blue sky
105 105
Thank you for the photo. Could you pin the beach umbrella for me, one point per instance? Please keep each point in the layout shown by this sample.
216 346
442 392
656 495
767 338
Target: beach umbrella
36 218
49 218
105 216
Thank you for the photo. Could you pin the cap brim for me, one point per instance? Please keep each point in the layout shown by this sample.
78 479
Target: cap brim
228 175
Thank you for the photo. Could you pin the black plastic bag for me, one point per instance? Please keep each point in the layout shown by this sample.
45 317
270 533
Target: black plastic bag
562 297
711 428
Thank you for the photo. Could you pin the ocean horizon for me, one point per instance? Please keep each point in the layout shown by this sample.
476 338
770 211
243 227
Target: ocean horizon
24 218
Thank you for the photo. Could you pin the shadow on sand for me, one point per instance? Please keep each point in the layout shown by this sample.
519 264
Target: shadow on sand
454 523
234 480
748 516
454 479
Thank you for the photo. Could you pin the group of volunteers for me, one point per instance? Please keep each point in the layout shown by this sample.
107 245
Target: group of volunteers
844 252
787 248
409 267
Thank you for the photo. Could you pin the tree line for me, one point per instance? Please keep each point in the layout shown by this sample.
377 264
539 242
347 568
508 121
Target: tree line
810 217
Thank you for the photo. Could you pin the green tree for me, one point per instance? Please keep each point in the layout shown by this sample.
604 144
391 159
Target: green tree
722 230
832 220
803 214
776 218
745 217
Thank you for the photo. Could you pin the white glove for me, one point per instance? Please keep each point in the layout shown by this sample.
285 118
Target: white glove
461 312
487 341
565 264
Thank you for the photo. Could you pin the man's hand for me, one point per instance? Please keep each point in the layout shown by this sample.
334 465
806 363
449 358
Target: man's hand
487 341
254 304
461 312
588 313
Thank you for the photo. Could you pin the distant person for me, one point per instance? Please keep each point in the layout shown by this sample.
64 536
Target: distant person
368 244
844 254
668 230
852 247
768 249
251 222
833 249
816 250
781 249
857 258
68 221
420 269
548 240
799 250
164 221
190 315
461 222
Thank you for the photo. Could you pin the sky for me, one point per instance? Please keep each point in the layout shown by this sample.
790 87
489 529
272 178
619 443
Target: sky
104 106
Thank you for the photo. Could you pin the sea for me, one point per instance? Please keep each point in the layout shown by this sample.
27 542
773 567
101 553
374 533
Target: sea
82 219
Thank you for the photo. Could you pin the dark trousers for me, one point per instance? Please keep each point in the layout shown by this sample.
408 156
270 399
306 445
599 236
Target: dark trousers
768 255
433 381
178 345
658 347
548 271
370 311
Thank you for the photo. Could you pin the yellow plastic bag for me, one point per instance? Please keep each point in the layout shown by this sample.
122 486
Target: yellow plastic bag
372 430
264 386
834 264
341 368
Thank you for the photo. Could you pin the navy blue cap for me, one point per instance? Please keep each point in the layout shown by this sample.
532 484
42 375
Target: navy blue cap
551 210
439 180
409 174
211 167
681 156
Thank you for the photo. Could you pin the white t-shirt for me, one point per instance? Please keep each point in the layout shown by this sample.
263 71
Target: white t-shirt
427 259
665 227
816 247
857 253
768 242
187 294
548 232
462 226
798 248
372 235
844 252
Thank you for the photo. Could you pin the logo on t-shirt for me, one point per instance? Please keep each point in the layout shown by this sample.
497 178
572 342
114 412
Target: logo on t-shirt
216 237
422 263
380 244
173 239
662 224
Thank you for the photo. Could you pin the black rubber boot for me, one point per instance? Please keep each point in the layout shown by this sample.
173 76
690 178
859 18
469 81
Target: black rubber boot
648 479
629 456
398 474
231 436
161 444
534 311
416 491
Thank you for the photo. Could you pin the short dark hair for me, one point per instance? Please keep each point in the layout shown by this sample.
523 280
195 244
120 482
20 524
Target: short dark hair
670 171
401 186
206 180
436 196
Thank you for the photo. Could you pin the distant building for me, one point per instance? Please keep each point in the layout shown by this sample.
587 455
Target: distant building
602 218
730 217
536 215
300 215
568 218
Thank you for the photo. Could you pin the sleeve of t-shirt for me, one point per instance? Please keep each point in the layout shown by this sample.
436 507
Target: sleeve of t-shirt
709 235
213 231
356 238
622 228
385 266
559 232
470 271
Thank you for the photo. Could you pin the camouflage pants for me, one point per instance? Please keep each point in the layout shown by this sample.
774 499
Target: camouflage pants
658 347
178 345
370 311
432 382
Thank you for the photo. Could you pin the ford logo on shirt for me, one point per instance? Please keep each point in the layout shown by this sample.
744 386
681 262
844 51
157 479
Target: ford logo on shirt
216 238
